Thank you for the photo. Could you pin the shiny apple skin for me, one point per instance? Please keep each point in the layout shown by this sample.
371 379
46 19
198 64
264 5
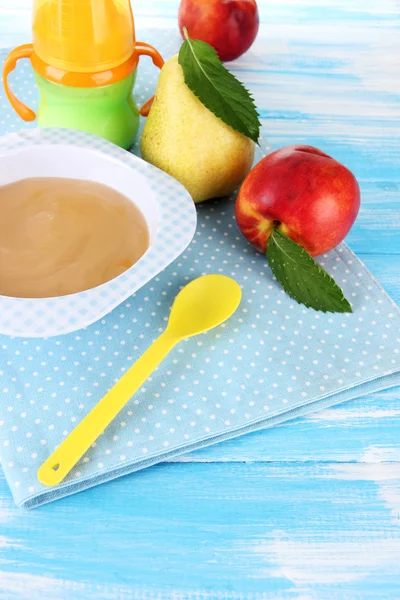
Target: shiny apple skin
229 26
305 193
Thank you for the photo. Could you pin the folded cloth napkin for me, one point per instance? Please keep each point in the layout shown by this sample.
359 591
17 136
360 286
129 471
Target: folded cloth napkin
273 360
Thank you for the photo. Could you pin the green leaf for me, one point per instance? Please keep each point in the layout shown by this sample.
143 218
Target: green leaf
302 277
217 88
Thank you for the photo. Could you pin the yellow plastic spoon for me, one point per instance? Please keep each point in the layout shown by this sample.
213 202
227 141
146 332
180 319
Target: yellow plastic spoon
201 305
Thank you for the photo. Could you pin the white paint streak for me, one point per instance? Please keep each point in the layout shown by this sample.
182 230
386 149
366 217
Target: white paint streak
368 6
380 453
376 472
21 586
388 490
8 543
327 561
339 557
349 414
390 494
376 463
372 468
5 513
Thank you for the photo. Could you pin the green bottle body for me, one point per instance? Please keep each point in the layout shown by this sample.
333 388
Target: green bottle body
108 111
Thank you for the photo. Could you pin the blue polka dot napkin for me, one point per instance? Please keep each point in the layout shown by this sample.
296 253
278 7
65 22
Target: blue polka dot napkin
271 361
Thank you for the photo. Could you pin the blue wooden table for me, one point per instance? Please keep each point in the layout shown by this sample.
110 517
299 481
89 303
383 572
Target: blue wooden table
306 511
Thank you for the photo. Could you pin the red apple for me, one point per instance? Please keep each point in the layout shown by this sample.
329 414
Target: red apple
230 26
305 193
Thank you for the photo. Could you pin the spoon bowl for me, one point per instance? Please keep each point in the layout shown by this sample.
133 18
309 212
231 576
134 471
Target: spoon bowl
203 304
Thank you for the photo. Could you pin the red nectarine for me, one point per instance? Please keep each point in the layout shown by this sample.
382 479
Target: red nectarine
230 26
304 193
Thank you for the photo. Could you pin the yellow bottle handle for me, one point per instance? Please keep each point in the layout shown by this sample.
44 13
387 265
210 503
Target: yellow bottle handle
71 450
15 55
141 49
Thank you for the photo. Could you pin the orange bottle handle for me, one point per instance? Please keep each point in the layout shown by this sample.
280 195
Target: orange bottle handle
15 55
144 49
26 51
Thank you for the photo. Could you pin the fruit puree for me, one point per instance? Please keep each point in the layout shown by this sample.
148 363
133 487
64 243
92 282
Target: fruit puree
62 236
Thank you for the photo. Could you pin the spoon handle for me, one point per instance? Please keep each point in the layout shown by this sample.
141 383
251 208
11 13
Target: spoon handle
68 453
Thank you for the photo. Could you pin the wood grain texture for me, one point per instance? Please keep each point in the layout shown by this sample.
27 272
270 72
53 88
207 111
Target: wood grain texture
214 531
305 511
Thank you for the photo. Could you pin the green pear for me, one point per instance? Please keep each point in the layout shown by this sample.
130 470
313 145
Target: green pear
187 141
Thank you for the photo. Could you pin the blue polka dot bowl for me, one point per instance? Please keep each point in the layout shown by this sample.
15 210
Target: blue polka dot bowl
166 205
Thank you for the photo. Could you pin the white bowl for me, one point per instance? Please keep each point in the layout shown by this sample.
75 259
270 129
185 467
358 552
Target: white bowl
165 203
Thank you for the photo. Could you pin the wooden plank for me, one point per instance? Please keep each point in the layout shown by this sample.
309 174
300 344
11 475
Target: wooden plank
212 531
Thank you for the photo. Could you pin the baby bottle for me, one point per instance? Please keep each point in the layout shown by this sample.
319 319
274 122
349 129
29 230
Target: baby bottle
84 57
